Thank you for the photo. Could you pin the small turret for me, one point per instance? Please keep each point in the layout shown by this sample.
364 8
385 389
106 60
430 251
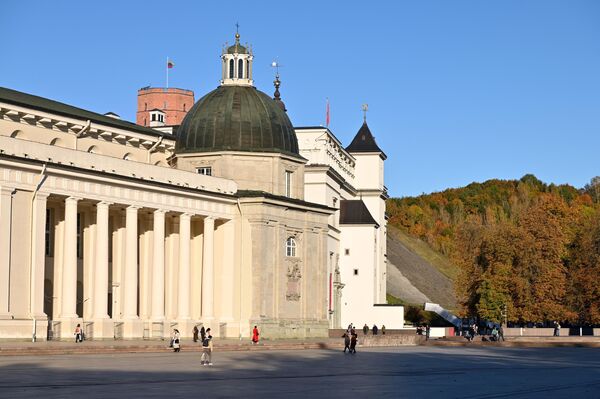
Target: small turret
237 64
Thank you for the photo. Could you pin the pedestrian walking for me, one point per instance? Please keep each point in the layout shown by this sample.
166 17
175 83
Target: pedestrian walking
375 329
427 332
202 333
347 340
353 340
176 344
195 333
78 334
500 333
383 329
365 329
255 335
207 347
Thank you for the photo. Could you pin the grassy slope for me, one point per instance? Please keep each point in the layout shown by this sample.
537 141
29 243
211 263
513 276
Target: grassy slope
439 261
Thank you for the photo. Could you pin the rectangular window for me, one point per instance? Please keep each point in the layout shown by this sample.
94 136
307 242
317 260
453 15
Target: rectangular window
79 236
356 272
153 117
288 183
205 170
347 251
49 223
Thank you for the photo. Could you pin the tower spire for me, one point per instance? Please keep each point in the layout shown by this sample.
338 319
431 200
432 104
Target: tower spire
277 83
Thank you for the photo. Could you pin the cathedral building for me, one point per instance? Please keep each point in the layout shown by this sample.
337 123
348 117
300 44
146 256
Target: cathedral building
218 213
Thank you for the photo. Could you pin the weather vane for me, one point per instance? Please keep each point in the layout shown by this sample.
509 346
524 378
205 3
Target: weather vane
365 108
276 65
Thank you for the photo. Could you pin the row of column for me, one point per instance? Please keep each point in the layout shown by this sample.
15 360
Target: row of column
130 273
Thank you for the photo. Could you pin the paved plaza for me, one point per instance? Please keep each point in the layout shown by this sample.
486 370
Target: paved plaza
411 372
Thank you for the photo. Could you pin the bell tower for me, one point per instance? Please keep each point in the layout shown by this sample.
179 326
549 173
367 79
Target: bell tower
236 65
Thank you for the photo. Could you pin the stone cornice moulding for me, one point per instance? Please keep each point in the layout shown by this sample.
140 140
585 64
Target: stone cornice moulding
118 196
74 126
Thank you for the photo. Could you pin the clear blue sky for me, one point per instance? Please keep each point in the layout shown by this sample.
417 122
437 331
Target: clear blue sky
458 91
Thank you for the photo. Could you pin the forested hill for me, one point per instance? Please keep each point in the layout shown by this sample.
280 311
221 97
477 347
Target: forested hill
530 245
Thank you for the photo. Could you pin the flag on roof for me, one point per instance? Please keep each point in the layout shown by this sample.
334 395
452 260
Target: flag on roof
170 64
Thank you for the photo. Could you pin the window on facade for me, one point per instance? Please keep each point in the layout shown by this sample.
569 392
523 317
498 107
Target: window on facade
290 247
240 69
288 183
49 223
79 236
248 69
356 272
231 67
347 251
145 106
205 170
153 117
183 107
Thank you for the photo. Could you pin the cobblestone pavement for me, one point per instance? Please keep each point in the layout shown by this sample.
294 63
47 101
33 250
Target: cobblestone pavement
411 372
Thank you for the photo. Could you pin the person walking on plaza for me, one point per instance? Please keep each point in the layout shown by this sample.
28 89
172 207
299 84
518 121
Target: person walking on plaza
375 329
365 329
556 329
176 345
353 340
78 334
347 339
255 335
383 329
202 333
195 333
500 333
207 347
427 332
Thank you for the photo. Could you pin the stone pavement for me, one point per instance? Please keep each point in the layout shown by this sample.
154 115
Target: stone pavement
20 348
400 372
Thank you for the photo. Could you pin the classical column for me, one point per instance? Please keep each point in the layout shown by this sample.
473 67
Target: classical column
38 254
183 302
130 289
101 268
5 238
69 273
208 269
158 267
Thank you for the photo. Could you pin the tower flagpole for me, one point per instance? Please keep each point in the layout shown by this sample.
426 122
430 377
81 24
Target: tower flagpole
167 66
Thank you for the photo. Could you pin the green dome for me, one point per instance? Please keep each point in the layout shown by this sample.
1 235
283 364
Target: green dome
236 118
237 49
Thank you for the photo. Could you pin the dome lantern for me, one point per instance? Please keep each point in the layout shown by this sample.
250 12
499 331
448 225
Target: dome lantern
236 64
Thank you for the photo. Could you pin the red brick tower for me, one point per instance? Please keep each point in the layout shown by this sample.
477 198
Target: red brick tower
171 102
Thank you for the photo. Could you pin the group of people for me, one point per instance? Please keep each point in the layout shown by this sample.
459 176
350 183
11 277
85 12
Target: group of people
205 340
424 329
350 339
375 329
496 334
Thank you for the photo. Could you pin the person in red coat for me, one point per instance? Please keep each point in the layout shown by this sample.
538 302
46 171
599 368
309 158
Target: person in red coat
255 335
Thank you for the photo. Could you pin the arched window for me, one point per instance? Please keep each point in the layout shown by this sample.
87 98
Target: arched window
231 65
183 107
247 69
240 69
290 247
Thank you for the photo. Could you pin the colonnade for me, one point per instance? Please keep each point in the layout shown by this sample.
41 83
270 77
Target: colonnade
97 253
